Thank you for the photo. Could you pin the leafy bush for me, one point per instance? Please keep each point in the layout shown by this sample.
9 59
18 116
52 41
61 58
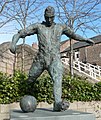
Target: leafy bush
44 88
12 88
80 90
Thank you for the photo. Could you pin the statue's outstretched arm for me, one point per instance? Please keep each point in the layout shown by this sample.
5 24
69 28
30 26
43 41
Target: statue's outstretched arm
21 34
69 33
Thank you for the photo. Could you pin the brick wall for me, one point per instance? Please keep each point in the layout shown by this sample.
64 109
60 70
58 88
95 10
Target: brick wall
35 45
66 44
27 59
6 59
9 62
91 54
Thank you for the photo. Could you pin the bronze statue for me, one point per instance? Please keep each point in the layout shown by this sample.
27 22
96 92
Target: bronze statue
48 57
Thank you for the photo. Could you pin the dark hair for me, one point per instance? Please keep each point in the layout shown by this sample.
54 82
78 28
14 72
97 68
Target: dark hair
49 11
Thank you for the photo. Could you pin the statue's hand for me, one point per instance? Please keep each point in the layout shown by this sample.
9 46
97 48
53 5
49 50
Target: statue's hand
13 48
91 42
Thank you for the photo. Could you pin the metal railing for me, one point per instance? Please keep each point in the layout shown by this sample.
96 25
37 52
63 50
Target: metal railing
88 69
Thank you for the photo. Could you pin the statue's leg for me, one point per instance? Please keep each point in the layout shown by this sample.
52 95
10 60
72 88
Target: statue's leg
34 72
56 71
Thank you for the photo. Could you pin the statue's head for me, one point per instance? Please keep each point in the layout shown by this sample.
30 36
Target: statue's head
49 15
49 11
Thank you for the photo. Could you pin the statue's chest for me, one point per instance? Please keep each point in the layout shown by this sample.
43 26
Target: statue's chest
49 32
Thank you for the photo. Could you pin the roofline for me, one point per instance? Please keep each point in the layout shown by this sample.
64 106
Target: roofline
85 44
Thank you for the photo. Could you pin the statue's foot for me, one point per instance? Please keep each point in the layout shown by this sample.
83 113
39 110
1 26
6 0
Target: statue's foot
61 106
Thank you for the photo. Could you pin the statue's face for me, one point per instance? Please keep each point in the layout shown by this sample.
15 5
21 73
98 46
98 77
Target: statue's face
49 20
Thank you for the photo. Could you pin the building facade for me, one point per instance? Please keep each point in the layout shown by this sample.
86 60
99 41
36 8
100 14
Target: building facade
86 53
22 60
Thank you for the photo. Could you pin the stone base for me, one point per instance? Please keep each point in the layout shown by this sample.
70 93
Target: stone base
48 114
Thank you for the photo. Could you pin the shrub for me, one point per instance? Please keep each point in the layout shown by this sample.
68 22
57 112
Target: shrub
44 88
12 88
78 89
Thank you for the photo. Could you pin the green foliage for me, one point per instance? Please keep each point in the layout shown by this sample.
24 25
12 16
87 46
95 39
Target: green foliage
77 89
44 88
12 88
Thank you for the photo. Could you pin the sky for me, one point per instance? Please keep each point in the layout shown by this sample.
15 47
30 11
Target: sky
7 32
7 36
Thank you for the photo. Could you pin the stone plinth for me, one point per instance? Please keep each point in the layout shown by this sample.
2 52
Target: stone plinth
48 114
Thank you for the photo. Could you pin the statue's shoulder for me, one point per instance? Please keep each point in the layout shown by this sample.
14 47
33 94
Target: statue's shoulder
64 26
35 24
60 25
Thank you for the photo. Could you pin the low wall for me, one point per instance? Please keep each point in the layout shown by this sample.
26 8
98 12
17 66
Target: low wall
91 107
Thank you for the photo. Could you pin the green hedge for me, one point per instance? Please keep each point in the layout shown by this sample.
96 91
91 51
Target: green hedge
12 88
80 90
